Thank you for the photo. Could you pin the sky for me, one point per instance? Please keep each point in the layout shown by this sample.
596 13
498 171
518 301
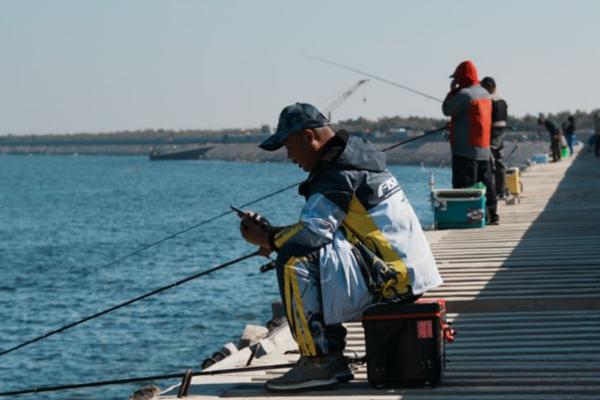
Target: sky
72 66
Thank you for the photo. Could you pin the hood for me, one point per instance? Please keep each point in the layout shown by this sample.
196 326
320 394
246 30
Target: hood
346 152
359 153
466 74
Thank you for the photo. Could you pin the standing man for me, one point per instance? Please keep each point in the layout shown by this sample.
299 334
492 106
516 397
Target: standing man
569 131
499 117
358 241
469 107
554 133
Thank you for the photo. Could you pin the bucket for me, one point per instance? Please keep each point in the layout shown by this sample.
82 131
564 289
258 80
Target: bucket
513 181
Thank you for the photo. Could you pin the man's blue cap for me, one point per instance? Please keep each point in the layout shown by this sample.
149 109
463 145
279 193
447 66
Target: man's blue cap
292 119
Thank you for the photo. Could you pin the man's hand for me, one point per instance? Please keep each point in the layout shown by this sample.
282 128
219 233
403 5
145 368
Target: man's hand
256 229
454 88
453 85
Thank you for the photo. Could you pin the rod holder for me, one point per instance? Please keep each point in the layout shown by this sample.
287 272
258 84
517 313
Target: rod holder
185 384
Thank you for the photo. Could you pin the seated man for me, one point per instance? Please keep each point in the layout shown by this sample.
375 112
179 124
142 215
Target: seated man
358 241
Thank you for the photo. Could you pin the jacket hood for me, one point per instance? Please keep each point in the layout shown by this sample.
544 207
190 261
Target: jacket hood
346 152
466 74
359 153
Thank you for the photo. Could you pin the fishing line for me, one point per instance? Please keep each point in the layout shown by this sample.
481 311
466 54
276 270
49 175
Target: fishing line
189 278
372 76
199 224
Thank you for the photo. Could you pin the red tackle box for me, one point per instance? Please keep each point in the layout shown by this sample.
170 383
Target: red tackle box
405 343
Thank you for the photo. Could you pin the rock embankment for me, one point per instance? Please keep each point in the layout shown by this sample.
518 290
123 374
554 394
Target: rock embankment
432 153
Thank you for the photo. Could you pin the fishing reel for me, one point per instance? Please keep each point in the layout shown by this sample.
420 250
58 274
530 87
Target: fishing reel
268 266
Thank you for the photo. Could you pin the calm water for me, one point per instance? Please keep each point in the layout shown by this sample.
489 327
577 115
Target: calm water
62 218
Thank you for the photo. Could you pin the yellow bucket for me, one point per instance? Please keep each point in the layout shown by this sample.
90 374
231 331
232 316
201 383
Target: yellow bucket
513 181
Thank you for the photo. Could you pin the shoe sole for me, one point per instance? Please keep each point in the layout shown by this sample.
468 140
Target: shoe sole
309 385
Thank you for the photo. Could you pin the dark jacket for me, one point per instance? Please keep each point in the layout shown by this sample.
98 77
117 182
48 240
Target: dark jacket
569 128
552 129
499 111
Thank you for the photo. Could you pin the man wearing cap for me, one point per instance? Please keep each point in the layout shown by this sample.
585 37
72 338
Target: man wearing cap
499 117
357 242
469 107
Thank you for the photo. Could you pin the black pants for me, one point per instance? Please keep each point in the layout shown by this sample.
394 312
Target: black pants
555 147
467 172
597 146
498 167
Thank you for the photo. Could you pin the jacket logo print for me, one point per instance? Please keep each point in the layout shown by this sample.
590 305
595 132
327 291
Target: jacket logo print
386 186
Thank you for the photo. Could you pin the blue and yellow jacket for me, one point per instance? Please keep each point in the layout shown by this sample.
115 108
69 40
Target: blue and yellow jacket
351 197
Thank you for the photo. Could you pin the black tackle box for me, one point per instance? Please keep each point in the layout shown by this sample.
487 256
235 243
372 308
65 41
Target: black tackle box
405 343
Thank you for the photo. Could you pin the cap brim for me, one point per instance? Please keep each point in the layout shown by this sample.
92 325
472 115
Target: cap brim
274 142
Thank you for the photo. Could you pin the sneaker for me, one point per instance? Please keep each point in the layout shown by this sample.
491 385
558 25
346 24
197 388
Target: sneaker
309 373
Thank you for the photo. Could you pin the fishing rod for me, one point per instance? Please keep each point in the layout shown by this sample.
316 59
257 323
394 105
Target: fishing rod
372 76
189 278
431 132
142 379
199 224
512 152
128 302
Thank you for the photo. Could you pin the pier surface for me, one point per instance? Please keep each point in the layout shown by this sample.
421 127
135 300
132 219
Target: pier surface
524 297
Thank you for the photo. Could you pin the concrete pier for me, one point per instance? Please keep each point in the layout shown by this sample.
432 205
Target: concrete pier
524 297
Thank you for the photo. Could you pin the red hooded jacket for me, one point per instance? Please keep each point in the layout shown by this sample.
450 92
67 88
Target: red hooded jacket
470 108
466 74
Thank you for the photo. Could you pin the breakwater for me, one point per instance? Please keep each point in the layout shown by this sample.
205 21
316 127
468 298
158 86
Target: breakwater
432 151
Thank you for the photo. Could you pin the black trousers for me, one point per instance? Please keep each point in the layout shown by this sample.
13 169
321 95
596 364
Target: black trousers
555 148
498 167
466 172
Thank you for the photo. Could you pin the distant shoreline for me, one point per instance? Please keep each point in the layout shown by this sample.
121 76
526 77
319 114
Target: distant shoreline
428 152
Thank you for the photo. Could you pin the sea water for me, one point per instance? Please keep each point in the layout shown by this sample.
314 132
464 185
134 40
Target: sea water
65 219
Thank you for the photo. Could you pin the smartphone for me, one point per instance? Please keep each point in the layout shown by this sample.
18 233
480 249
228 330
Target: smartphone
239 212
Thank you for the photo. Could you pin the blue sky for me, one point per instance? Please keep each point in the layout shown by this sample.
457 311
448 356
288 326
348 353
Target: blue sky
99 66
